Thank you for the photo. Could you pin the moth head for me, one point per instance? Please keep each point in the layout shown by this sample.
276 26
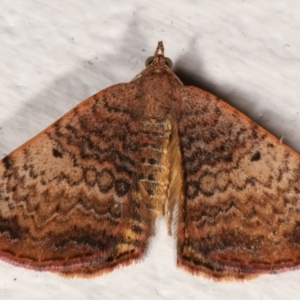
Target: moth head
159 60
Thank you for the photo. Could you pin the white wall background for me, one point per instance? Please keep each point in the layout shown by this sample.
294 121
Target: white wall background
54 54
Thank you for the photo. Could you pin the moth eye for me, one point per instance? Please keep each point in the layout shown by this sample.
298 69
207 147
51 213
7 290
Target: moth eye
168 62
149 60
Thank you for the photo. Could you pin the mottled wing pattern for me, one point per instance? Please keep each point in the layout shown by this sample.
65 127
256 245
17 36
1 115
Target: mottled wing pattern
241 209
69 197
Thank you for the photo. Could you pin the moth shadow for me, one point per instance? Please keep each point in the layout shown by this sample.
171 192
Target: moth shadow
242 102
57 97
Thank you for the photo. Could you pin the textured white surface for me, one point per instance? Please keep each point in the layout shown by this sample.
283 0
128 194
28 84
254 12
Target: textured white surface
55 54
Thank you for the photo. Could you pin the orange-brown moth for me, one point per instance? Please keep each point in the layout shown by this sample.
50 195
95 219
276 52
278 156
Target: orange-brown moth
81 197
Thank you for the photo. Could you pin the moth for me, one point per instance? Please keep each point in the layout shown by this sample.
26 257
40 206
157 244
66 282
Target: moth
81 197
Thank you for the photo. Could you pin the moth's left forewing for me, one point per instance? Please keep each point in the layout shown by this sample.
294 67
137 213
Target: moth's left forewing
69 197
240 213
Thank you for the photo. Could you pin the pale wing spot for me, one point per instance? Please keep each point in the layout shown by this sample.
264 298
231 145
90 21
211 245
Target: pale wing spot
207 184
105 180
91 177
222 180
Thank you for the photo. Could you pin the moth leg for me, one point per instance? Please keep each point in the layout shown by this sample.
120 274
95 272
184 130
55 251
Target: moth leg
168 215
